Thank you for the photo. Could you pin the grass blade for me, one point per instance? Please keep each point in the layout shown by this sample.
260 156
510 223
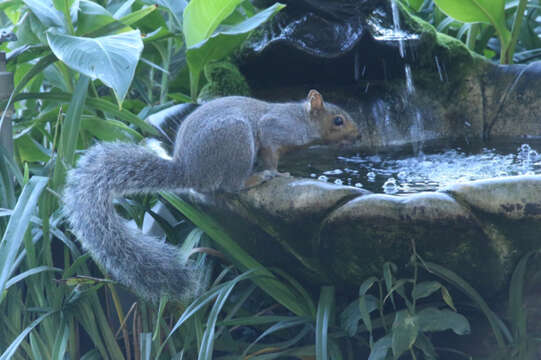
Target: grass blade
10 351
268 282
17 225
95 103
27 273
72 124
323 316
61 343
517 309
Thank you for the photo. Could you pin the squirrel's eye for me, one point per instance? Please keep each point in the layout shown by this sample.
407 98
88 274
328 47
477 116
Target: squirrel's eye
338 121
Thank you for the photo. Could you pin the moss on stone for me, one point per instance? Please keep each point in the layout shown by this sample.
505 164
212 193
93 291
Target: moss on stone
223 79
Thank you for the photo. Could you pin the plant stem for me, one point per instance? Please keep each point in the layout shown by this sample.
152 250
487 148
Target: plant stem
472 36
515 31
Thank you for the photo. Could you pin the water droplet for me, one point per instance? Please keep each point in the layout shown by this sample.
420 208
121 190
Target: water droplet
390 186
333 172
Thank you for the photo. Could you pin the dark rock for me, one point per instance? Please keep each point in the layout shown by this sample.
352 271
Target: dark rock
360 236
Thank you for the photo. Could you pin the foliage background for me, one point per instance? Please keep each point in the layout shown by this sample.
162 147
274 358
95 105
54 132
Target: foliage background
93 70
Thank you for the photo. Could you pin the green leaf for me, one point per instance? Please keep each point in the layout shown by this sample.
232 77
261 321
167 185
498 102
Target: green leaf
17 225
451 277
111 59
45 11
211 48
366 306
404 332
415 4
277 327
432 319
72 123
61 343
95 20
487 11
266 281
517 308
446 296
366 285
381 348
30 272
145 346
222 290
425 345
10 351
323 316
92 17
175 7
30 150
202 17
96 104
109 129
350 317
425 289
206 351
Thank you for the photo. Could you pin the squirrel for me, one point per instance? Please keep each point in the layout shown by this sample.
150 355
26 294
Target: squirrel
217 149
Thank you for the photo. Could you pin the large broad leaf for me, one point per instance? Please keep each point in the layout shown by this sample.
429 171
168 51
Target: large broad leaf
202 17
486 11
45 11
175 7
222 43
92 17
95 20
111 59
432 319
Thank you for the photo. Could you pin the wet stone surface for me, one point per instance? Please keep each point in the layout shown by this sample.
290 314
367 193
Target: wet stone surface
342 235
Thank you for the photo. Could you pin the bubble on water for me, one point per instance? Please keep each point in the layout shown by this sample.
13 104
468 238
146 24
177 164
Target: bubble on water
390 186
371 176
313 175
359 185
351 171
333 172
374 158
323 178
338 182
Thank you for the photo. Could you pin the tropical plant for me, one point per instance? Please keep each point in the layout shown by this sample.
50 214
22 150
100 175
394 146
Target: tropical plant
84 70
478 21
404 329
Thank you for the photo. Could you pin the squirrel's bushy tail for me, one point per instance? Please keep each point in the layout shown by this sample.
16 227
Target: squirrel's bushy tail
143 263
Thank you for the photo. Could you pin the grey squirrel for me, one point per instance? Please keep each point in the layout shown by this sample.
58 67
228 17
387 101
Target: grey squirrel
216 149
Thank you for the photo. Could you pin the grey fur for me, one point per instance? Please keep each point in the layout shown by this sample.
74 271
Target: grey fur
216 149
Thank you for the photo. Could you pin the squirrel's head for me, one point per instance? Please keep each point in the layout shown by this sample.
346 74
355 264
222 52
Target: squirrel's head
334 124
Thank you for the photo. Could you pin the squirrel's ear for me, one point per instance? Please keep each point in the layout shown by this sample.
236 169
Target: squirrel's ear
315 100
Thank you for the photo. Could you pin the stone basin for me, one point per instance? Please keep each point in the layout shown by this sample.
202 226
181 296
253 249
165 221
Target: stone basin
323 233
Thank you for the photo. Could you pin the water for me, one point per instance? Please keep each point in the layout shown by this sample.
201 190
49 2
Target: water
403 173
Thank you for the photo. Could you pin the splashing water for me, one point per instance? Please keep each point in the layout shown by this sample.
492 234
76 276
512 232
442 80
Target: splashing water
430 172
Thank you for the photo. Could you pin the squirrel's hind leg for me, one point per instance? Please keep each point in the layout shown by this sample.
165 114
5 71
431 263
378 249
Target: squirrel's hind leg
222 156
